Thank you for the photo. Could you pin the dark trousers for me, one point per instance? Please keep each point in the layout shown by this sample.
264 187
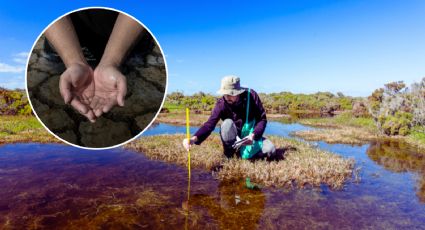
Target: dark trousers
228 134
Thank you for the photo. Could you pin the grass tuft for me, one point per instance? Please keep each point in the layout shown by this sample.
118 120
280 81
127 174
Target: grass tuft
302 165
347 135
180 118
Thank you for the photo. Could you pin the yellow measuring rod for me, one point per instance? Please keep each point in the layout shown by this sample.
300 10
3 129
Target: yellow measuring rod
188 167
188 138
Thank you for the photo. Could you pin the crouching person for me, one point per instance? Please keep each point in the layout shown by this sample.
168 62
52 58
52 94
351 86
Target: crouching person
244 122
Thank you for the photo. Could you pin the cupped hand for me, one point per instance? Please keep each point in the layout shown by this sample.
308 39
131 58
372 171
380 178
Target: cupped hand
76 86
110 89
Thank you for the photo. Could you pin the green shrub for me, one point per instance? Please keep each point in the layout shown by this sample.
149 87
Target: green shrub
397 124
283 102
14 102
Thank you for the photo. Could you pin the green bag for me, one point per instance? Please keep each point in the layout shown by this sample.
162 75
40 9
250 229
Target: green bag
247 151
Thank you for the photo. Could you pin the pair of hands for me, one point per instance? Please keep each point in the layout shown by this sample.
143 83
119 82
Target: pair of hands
187 143
93 93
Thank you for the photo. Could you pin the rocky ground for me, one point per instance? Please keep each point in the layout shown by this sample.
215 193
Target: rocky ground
146 81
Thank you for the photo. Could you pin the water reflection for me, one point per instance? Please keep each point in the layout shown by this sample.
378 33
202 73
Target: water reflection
234 207
398 156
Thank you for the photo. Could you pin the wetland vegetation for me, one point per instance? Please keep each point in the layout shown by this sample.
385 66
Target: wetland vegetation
299 164
348 171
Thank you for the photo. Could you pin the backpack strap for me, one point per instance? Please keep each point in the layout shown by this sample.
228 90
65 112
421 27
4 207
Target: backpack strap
247 106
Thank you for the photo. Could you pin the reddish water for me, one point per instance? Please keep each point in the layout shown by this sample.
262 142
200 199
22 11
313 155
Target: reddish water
56 186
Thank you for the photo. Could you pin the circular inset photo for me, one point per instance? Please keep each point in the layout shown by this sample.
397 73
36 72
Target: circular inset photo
96 78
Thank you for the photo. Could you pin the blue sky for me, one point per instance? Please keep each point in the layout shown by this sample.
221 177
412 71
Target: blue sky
298 46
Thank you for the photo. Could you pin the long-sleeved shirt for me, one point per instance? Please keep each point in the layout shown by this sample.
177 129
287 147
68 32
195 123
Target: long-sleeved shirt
237 113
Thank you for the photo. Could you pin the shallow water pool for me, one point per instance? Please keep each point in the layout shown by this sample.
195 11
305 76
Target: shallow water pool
58 186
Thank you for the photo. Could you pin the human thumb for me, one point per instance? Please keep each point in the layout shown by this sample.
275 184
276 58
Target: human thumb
65 87
122 91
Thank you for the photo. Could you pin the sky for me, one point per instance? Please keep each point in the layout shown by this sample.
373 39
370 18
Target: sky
299 46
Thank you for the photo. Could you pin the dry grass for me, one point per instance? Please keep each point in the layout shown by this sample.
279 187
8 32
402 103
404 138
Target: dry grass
346 129
339 134
346 135
169 148
302 165
180 119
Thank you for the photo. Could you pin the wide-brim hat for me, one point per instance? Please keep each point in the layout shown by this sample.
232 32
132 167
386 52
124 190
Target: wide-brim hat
230 85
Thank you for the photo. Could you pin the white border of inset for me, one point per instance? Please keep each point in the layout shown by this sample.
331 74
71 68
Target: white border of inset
166 77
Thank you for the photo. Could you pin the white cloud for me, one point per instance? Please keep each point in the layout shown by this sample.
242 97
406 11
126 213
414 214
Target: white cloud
12 82
20 60
21 57
6 68
22 54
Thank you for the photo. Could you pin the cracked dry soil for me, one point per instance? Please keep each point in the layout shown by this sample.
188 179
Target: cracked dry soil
146 82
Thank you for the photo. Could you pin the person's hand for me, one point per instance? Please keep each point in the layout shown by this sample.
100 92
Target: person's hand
77 88
250 139
110 89
187 143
